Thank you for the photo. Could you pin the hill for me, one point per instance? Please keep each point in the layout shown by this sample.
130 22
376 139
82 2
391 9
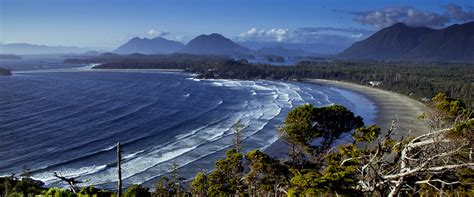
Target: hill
156 45
9 57
31 49
214 44
402 42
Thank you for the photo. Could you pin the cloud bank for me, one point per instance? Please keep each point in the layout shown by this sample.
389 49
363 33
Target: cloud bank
327 35
414 17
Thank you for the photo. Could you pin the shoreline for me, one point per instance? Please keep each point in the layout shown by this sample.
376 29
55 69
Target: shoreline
390 106
90 68
136 70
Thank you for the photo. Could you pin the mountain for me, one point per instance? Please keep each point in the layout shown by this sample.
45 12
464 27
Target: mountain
156 45
401 42
313 48
31 49
281 51
214 44
9 57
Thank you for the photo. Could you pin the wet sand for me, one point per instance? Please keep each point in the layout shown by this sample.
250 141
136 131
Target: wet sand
390 106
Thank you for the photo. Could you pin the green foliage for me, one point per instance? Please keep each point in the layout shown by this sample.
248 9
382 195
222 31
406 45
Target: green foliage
449 105
366 134
59 192
466 176
92 191
25 186
298 125
137 191
307 123
89 190
162 186
305 182
16 194
325 172
226 179
454 111
265 173
199 185
170 186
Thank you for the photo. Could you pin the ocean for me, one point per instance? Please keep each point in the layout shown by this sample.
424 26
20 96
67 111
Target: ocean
67 119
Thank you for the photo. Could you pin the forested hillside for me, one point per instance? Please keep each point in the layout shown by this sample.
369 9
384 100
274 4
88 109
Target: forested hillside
403 42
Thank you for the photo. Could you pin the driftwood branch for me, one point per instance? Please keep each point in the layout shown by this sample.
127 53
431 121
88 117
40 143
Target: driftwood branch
70 181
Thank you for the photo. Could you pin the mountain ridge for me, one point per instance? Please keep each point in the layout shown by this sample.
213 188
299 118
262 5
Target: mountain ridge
214 44
157 45
402 42
33 49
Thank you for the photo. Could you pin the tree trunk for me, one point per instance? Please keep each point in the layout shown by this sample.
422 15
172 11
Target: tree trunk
119 170
6 186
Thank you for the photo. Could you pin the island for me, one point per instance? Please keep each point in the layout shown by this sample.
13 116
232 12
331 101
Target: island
9 57
5 72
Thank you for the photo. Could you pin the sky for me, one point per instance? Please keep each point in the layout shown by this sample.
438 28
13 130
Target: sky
106 24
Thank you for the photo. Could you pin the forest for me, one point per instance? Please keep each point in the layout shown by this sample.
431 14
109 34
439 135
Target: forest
415 79
373 163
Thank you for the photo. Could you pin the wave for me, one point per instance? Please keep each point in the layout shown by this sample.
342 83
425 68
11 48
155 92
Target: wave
48 178
254 130
24 118
213 135
207 153
191 138
133 155
109 149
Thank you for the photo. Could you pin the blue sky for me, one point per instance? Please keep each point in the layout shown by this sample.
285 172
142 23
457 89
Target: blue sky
107 24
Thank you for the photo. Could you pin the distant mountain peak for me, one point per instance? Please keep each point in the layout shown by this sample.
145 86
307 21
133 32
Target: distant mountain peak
157 45
159 38
402 42
25 48
215 35
399 24
213 44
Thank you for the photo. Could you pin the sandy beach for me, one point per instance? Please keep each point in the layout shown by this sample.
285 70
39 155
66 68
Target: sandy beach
390 106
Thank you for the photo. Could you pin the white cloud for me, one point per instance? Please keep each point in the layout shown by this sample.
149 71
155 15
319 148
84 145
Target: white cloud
388 16
391 15
305 35
357 36
460 14
276 34
155 33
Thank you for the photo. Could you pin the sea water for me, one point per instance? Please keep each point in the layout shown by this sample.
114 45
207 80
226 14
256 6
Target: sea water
68 120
